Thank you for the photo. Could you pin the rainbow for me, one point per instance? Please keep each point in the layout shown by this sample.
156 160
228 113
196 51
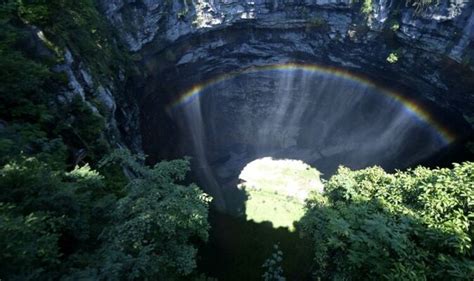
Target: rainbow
409 105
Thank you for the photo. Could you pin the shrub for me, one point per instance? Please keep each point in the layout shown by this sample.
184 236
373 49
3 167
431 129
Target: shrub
29 244
153 225
273 269
421 5
72 226
366 8
392 58
394 25
414 225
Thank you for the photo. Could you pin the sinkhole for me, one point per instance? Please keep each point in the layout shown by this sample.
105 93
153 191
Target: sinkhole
266 112
262 131
322 116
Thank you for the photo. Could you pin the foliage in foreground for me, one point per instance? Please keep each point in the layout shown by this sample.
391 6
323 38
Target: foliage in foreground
74 227
272 265
63 222
414 225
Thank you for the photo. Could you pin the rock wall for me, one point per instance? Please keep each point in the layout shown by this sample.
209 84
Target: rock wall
182 43
446 28
106 98
425 54
441 34
120 115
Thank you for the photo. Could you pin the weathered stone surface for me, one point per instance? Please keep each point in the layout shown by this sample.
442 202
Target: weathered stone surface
203 33
84 85
434 28
184 44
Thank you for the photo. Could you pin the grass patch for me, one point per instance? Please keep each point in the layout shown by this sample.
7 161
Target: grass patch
277 190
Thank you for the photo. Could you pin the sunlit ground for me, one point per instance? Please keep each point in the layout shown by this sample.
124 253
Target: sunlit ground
277 190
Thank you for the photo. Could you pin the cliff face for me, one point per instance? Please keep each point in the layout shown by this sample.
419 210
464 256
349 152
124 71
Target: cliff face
335 32
446 28
99 93
62 81
426 53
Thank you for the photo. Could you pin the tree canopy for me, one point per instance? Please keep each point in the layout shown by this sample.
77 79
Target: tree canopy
413 225
73 225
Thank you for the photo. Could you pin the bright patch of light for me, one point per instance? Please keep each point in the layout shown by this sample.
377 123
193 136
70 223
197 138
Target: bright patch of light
277 189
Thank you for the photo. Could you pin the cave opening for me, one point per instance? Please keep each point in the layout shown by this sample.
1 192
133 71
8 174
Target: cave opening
323 116
231 97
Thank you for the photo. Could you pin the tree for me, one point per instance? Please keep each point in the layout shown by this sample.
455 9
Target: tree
72 225
414 225
154 224
273 269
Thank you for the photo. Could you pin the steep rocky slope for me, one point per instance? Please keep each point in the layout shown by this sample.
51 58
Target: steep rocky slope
444 28
425 54
182 43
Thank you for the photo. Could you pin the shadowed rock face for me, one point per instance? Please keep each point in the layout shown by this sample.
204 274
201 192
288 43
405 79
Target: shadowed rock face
434 45
322 120
445 28
195 60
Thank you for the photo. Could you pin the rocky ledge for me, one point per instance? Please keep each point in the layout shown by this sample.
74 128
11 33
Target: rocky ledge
426 53
445 27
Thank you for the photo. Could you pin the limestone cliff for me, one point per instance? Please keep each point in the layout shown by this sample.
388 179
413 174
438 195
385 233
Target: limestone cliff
426 41
426 53
445 28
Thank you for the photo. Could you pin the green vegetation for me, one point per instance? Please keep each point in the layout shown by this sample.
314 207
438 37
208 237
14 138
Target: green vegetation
74 225
107 216
368 225
367 8
85 222
281 210
76 25
153 225
392 58
35 119
414 225
418 5
394 25
274 271
277 189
